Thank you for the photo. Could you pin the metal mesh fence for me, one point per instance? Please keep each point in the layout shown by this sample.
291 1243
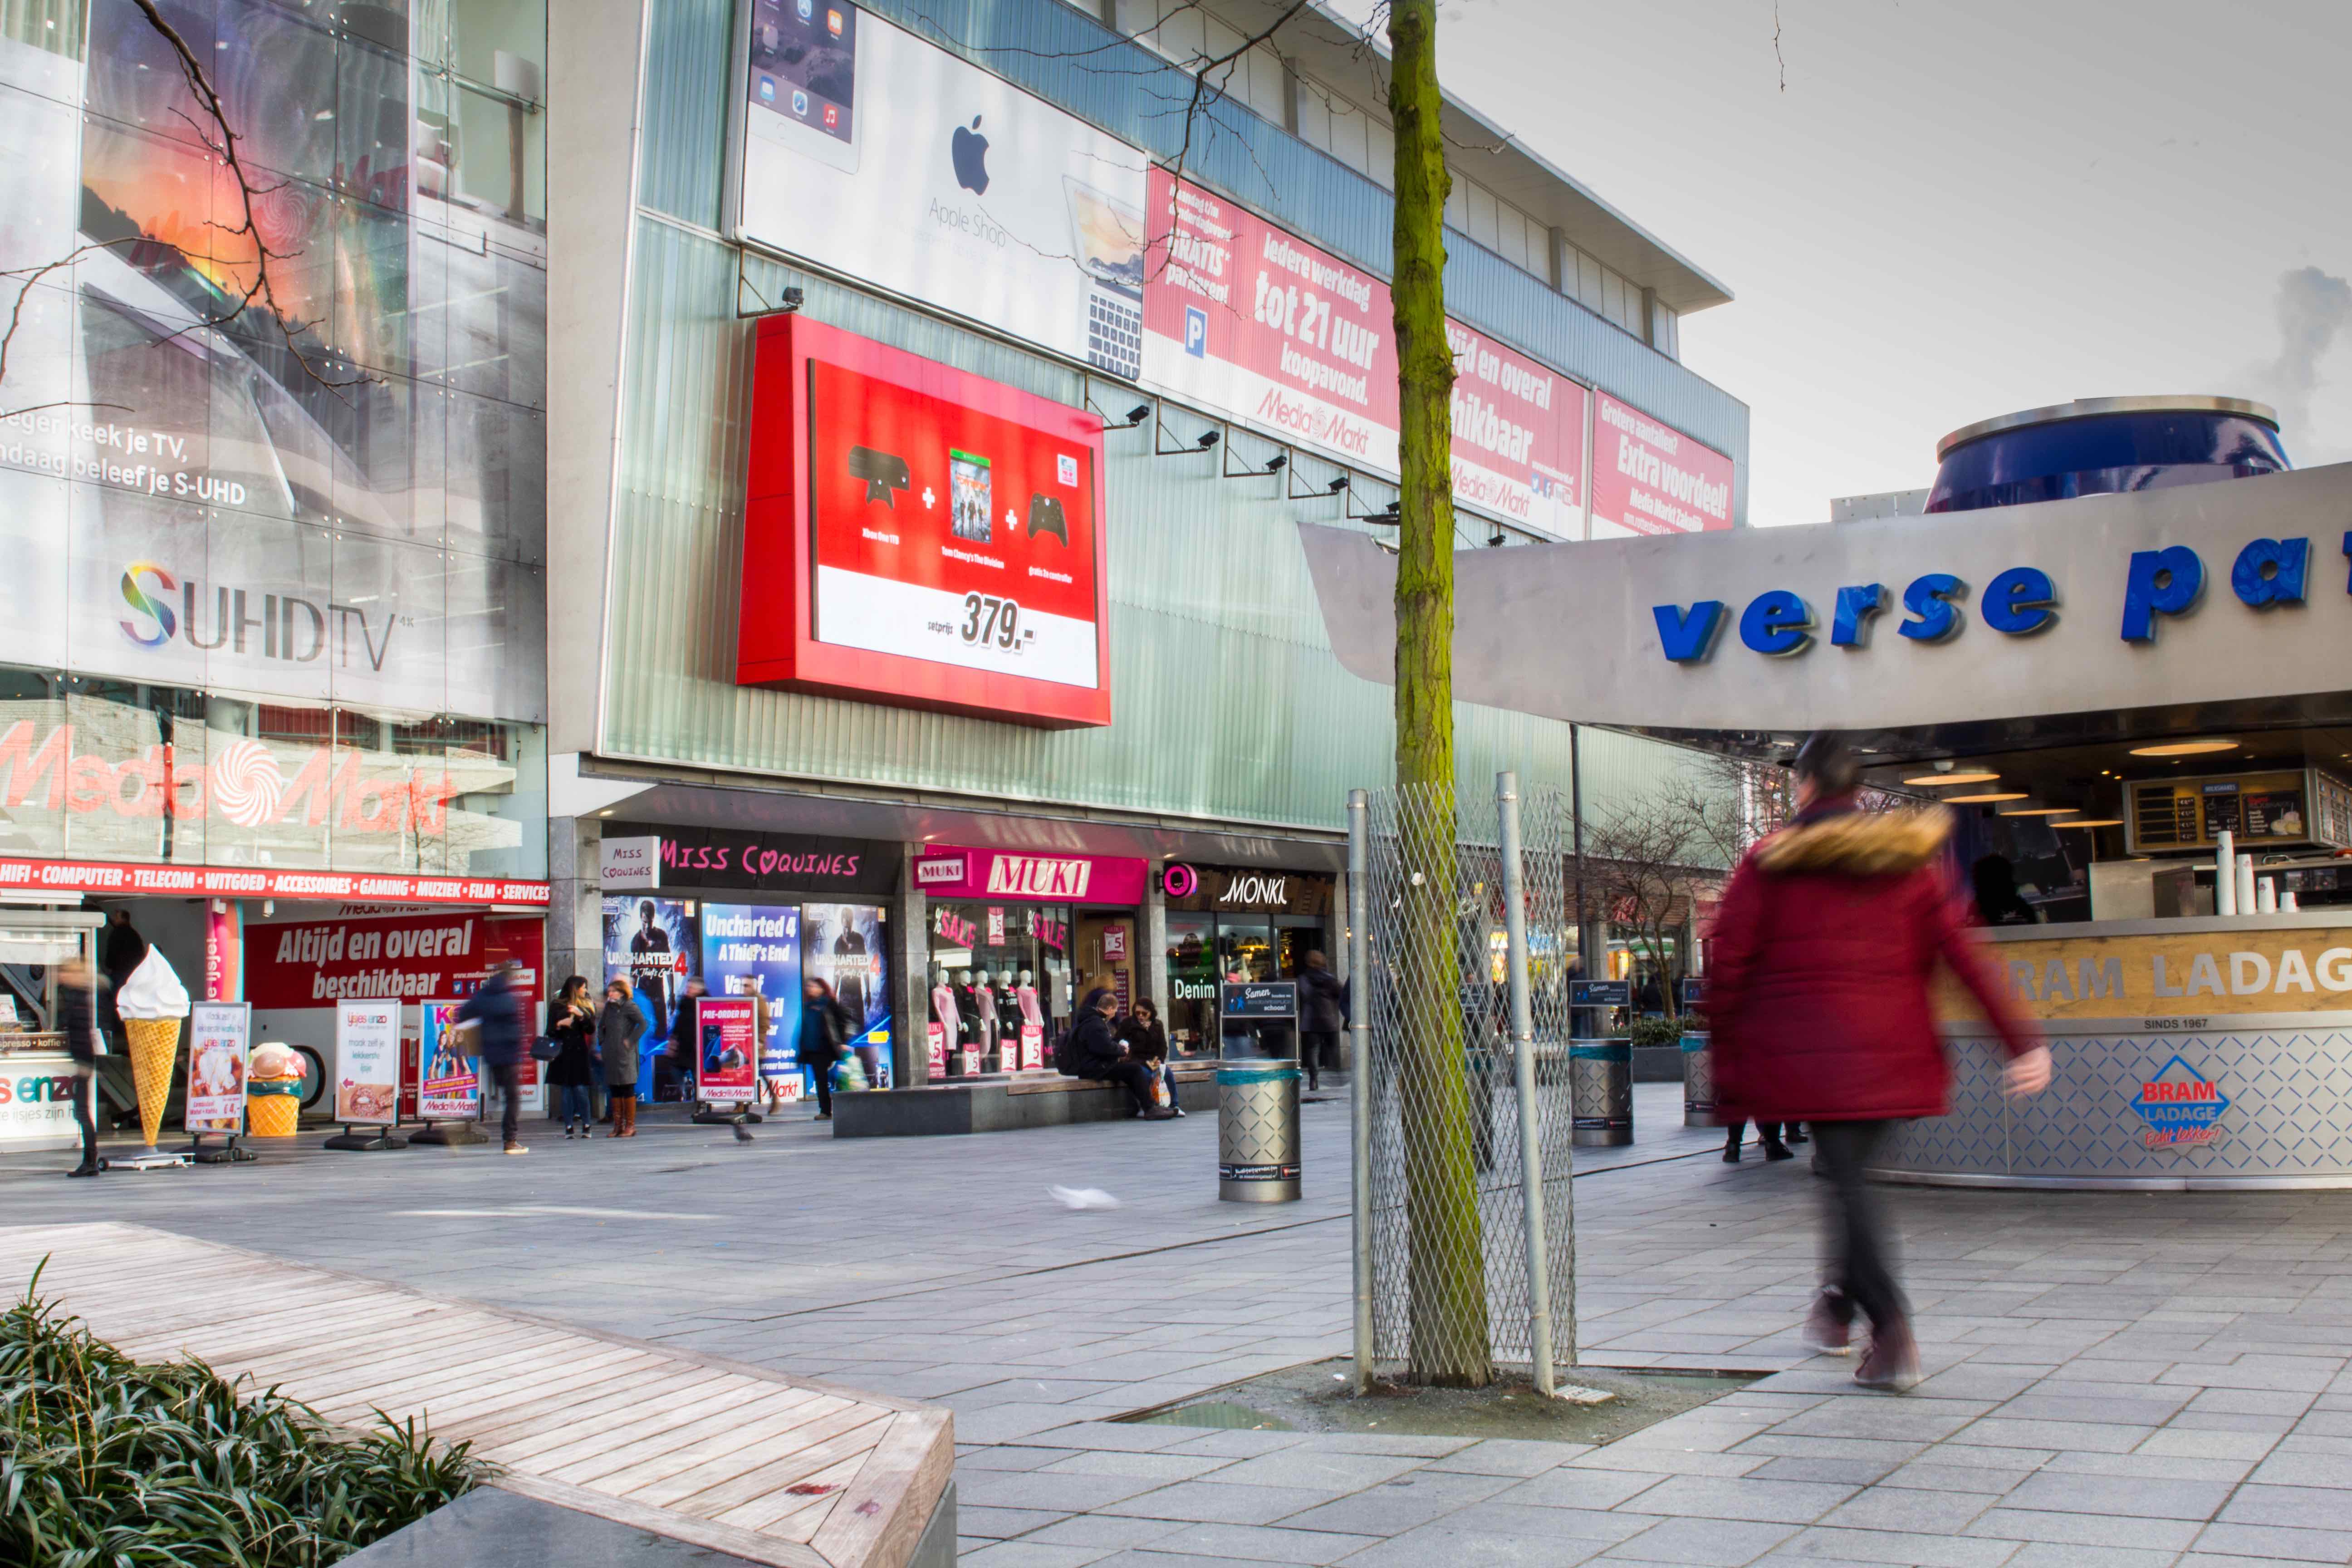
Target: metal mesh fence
1449 1242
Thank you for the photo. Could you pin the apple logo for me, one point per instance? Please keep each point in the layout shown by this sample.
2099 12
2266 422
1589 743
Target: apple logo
970 152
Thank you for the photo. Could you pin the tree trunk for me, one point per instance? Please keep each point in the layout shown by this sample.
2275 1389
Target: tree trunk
1446 1282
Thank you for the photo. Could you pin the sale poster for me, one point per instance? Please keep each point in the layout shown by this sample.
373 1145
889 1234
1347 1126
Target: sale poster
1654 479
726 1056
367 1061
1033 1046
448 1086
754 950
218 1035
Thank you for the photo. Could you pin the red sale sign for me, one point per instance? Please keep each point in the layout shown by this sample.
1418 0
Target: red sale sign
1652 479
1242 316
918 533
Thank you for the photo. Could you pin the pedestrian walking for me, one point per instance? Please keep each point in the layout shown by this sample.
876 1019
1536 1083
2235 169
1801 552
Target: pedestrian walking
824 1029
1144 1038
78 1018
119 957
619 1028
1825 945
496 1011
1768 1137
573 1028
685 1039
1322 1014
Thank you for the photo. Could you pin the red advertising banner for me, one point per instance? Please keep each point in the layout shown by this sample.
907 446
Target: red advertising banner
1243 317
727 1050
1652 479
945 872
913 533
222 881
315 964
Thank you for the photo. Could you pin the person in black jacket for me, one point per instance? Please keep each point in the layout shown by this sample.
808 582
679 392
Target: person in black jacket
1094 1045
683 1038
824 1029
1322 1014
498 1008
78 1016
1145 1039
573 1027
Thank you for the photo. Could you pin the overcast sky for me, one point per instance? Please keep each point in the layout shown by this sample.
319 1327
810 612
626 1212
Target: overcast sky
1955 210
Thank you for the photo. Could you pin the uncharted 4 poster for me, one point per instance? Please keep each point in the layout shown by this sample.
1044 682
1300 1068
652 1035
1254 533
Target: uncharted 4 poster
657 945
754 950
845 945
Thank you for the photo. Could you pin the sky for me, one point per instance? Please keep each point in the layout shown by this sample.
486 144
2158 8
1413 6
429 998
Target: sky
1957 210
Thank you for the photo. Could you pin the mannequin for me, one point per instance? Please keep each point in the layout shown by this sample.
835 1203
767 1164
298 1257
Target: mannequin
983 999
943 1008
1025 993
968 1010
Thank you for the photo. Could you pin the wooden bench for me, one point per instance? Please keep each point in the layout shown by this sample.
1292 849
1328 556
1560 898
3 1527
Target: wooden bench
1005 1102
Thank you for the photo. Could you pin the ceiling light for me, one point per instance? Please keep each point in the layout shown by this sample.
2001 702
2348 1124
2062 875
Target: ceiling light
1982 799
2093 822
2037 811
2184 748
1979 776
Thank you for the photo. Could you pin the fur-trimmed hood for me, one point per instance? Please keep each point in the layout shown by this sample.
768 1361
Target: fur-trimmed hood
1858 843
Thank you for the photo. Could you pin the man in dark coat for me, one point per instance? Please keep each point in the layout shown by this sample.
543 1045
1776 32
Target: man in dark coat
1094 1043
1322 1014
119 955
497 1009
1825 946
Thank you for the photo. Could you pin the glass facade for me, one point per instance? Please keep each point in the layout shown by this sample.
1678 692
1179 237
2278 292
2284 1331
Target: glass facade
272 456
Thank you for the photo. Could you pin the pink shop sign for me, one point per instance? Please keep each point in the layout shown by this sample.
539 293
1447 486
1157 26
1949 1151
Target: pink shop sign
1048 877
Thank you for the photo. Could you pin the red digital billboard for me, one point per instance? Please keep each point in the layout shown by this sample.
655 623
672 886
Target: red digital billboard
918 535
1652 479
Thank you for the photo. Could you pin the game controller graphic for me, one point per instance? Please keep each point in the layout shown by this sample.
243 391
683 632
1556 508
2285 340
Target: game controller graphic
1045 517
883 472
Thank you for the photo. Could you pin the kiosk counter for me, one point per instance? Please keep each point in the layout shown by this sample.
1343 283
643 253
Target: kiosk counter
2200 1052
36 1087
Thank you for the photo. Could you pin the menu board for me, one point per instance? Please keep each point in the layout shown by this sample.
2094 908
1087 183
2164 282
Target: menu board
2299 807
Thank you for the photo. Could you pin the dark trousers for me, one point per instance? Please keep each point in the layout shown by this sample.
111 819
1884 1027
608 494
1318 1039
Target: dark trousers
1318 1052
85 1091
1135 1076
507 1076
1767 1132
823 1087
1859 1264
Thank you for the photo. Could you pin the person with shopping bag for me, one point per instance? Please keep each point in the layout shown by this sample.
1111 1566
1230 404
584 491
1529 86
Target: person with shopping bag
1825 948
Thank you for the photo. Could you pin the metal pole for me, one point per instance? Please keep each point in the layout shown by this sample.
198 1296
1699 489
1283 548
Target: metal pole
1360 1087
1584 954
1523 1063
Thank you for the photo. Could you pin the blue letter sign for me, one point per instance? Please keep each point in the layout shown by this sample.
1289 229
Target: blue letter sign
2161 582
2018 601
1689 635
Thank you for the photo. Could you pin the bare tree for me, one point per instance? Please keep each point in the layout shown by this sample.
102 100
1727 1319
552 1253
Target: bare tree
1650 858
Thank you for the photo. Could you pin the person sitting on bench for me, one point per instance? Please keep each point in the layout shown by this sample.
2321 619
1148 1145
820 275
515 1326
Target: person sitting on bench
1094 1053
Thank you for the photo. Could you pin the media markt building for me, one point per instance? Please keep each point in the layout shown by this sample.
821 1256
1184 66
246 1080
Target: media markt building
926 459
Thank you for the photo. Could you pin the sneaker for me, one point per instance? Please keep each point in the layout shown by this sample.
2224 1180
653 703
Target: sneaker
1829 1326
1179 1111
1778 1152
586 1131
824 1116
516 1149
568 1134
1891 1363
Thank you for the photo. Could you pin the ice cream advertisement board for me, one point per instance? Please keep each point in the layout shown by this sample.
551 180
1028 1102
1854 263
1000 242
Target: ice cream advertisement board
217 1037
367 1061
448 1086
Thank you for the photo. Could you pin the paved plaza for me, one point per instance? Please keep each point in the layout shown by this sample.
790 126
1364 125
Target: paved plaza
2116 1379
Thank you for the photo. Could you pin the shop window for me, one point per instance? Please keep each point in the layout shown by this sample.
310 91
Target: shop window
992 970
1192 978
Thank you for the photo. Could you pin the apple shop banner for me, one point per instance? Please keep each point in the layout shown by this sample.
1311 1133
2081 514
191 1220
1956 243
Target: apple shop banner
886 160
1243 923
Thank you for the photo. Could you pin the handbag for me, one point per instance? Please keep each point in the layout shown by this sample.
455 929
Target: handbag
545 1048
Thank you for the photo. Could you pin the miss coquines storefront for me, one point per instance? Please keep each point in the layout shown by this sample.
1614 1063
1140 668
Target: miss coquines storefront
1015 940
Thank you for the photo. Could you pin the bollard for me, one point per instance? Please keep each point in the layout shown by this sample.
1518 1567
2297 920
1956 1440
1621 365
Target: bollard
1698 1082
1258 1132
1601 1093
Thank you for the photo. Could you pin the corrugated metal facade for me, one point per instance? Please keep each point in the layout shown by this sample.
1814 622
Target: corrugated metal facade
1229 704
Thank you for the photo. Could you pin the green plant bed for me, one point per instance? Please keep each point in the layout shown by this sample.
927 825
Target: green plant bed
1651 1032
105 1463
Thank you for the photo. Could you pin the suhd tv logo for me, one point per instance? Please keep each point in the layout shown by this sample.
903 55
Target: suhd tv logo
2180 1105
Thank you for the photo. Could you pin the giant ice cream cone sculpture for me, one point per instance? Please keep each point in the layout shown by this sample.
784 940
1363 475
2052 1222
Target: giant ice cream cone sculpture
152 1002
273 1090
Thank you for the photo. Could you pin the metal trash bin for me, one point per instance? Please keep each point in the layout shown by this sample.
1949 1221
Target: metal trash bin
1698 1082
1601 1093
1258 1132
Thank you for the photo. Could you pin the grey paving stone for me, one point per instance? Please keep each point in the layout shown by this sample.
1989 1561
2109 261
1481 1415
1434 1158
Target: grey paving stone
1926 1512
999 1523
1402 1504
1314 1465
2273 1542
1155 1467
2072 1492
1461 1547
2085 1530
2043 1554
1508 1457
2301 1508
1207 1502
1030 1554
1783 1502
1572 1487
2303 1469
1823 1543
1060 1493
1727 1542
1836 1472
1262 1544
1104 1530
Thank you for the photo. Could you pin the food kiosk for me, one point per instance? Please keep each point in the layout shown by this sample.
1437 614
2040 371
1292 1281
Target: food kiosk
2115 649
36 1072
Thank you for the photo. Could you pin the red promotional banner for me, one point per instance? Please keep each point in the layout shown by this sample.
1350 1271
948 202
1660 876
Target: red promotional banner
315 964
727 1050
913 531
1243 317
945 872
243 882
1652 479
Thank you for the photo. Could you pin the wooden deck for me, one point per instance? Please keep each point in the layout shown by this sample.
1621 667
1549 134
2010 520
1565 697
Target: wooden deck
735 1458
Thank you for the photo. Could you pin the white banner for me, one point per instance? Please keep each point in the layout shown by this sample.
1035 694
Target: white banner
367 1061
938 624
882 157
219 1034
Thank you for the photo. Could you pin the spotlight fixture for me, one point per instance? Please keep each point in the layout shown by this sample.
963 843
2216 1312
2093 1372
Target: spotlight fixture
2035 811
1979 775
1336 486
1496 538
2092 822
1279 462
2184 748
1136 415
793 299
1986 799
1207 441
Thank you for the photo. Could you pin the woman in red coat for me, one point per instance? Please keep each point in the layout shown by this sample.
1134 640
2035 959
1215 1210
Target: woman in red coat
1825 946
